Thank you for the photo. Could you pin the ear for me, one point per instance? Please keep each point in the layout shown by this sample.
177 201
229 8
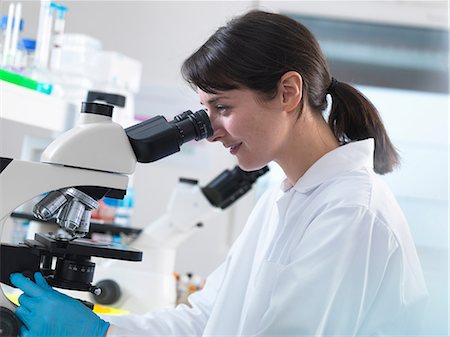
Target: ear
291 84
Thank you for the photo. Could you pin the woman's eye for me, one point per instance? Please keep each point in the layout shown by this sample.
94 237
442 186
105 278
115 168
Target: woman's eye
221 109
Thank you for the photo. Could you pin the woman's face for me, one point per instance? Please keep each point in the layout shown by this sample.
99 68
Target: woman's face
253 130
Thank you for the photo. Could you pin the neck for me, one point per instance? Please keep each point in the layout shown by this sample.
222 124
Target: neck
309 139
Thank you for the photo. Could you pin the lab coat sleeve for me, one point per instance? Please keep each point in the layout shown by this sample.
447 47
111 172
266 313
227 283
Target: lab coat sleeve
180 321
344 278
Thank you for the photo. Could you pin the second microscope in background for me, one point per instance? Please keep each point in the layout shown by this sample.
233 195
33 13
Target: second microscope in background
151 284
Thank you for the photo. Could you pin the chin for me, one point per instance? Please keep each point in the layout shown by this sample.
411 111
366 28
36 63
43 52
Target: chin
251 166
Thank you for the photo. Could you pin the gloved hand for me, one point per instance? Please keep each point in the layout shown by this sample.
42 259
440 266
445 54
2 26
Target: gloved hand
46 312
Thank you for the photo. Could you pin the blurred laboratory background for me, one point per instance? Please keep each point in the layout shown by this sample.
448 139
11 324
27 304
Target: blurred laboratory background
394 51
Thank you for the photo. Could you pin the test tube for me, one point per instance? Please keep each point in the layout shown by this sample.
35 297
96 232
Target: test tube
58 35
15 35
43 35
8 31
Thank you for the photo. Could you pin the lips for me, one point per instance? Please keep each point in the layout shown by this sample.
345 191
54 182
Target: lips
234 148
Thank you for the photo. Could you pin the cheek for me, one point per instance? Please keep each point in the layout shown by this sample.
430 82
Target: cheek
258 128
235 128
269 137
261 131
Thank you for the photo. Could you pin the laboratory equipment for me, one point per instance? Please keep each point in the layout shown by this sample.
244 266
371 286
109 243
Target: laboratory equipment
151 284
10 44
7 35
50 36
57 35
24 81
77 67
29 48
116 72
78 169
43 38
15 34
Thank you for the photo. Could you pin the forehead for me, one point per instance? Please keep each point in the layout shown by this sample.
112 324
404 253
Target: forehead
235 94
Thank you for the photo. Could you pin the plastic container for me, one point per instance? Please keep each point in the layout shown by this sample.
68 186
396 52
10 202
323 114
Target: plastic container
25 82
29 49
77 68
3 23
118 211
10 61
124 209
58 35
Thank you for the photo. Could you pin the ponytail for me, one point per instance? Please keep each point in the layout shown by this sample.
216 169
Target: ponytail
353 117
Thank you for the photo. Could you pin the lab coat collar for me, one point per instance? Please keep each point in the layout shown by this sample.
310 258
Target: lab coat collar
345 158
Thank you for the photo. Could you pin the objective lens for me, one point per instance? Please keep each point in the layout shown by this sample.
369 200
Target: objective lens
70 217
85 223
49 205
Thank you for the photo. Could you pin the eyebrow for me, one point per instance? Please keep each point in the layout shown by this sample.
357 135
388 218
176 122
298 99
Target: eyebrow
215 99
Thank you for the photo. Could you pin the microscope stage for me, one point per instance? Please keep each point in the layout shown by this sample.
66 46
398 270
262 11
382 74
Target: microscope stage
84 247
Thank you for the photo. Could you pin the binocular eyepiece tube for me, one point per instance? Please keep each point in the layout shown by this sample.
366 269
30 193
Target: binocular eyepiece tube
157 138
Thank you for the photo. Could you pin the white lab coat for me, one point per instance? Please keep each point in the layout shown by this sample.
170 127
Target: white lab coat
330 256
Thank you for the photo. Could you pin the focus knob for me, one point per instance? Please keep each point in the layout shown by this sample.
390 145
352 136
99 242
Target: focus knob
9 324
97 109
110 292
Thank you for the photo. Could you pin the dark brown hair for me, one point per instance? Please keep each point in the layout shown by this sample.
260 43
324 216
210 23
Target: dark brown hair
255 50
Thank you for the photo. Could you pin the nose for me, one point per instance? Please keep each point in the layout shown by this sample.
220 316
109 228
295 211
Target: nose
217 126
218 133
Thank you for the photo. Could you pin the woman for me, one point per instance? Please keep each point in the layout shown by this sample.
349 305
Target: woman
329 253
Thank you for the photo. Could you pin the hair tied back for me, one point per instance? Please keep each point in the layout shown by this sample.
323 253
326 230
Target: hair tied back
332 85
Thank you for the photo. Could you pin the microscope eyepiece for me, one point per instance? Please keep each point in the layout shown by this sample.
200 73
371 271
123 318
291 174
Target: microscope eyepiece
157 138
195 123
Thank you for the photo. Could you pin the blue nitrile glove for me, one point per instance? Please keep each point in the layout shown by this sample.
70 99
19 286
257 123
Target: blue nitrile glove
46 312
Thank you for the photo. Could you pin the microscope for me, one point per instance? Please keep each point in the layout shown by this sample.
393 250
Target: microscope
80 167
151 284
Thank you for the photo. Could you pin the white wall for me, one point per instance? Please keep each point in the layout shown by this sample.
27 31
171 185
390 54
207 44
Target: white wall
398 12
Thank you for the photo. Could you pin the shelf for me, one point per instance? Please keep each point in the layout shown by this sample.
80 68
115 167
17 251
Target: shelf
33 108
95 227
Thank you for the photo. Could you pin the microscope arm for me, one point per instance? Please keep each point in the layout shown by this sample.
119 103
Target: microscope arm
187 207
